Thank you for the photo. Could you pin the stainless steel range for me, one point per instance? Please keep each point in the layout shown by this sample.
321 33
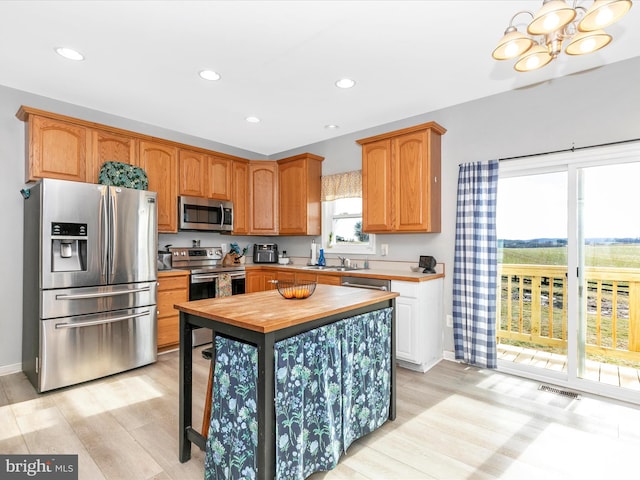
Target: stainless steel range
205 265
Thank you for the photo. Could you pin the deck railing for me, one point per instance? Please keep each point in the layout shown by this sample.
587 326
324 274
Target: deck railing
532 308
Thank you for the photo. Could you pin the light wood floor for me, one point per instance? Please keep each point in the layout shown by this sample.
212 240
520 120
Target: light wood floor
454 422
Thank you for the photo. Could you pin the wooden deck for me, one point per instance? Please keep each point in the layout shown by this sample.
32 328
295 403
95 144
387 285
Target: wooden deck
617 375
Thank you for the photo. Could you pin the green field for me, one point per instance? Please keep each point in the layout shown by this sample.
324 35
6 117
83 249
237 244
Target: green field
618 255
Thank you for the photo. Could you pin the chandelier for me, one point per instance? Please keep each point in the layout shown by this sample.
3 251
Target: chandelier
555 24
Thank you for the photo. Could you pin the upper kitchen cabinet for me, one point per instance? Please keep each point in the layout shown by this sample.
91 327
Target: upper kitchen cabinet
299 194
160 161
401 180
219 178
240 198
110 147
263 198
193 173
204 176
56 148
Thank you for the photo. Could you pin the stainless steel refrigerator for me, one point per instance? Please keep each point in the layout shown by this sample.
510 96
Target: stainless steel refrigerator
90 282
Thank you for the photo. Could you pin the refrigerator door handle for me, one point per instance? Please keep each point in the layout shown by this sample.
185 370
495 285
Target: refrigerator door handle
112 231
82 296
104 224
100 322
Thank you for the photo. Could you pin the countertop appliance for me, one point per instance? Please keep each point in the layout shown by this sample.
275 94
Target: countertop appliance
265 253
90 282
195 213
206 269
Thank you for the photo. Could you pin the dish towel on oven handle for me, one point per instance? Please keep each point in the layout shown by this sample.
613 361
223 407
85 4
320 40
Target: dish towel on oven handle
223 285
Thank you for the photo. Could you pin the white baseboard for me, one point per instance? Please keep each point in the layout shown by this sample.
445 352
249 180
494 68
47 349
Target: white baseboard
449 355
9 369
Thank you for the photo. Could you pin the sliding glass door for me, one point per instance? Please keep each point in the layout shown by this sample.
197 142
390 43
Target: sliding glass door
569 266
608 237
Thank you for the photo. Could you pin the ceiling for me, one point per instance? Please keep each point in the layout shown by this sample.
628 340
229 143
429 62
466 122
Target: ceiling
278 60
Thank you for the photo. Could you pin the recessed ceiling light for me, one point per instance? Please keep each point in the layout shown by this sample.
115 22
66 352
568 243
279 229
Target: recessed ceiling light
331 127
253 119
210 75
345 83
69 53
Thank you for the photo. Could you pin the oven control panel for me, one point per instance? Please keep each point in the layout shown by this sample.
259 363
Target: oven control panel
184 257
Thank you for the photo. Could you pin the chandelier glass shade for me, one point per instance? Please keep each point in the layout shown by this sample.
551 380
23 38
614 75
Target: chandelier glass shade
557 24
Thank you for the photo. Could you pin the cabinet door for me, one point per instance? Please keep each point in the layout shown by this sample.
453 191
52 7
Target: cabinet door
161 164
219 184
193 172
416 183
240 191
283 276
292 197
171 290
377 206
329 279
263 192
57 149
406 331
306 277
254 282
110 147
299 195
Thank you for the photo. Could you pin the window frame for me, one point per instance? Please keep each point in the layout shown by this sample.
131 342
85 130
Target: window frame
328 218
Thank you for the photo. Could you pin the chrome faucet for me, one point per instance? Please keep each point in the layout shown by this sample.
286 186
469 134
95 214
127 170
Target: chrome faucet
344 262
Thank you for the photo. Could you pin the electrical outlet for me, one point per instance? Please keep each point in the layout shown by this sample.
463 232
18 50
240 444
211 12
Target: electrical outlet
449 320
384 249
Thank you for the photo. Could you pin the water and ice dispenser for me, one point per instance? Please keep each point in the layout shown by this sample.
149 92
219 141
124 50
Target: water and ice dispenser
68 247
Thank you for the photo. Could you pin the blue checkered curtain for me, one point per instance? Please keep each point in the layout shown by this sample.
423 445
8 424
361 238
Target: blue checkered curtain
475 265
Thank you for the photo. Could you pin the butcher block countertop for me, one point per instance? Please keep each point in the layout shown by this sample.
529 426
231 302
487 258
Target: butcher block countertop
268 311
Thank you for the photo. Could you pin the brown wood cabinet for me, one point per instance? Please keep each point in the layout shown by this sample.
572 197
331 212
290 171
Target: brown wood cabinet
401 180
173 287
328 279
192 173
258 280
110 147
205 176
160 161
219 178
299 194
263 198
56 149
240 197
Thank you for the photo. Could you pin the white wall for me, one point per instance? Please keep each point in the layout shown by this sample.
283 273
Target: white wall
594 107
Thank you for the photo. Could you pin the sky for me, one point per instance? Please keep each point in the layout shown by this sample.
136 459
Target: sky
535 206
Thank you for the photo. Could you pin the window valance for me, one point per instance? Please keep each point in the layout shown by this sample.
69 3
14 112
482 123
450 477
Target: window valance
342 185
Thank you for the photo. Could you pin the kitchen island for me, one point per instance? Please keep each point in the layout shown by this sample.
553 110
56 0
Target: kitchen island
263 329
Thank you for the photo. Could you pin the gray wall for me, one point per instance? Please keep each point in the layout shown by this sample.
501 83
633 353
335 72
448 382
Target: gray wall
594 107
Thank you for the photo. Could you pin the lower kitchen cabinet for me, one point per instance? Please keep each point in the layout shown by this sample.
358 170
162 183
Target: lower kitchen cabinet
173 287
259 280
419 332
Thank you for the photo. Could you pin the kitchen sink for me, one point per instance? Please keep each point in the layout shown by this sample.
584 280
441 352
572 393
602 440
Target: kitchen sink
332 268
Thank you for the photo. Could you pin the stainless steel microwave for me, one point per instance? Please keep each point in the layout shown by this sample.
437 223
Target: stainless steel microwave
196 213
